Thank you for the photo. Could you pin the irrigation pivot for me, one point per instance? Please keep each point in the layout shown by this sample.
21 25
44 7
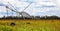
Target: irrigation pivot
22 13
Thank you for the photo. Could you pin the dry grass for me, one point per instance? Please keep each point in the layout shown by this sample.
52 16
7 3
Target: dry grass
30 25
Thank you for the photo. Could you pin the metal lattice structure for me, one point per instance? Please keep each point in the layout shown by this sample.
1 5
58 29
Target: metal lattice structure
22 13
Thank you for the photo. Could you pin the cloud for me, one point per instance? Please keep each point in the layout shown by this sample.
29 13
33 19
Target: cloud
58 3
1 15
37 7
2 9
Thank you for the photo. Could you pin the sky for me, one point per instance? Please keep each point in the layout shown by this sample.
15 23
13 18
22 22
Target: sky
37 8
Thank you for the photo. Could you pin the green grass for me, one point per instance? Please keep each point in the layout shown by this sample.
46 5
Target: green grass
5 28
35 25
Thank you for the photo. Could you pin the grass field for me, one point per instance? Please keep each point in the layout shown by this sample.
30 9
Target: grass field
30 25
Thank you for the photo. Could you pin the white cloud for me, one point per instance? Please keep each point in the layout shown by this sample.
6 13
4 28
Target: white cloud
1 15
58 3
38 3
2 9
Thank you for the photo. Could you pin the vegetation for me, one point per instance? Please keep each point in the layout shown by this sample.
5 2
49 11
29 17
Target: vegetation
30 25
32 17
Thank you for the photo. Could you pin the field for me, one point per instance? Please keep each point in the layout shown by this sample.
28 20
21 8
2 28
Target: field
30 25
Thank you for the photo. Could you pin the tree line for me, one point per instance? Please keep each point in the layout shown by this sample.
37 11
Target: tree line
32 17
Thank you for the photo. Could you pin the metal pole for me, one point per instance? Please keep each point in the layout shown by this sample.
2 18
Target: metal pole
7 10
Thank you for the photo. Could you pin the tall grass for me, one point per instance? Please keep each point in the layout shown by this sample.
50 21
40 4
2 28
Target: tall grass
5 28
30 25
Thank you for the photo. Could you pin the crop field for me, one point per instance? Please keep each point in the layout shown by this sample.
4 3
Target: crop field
30 25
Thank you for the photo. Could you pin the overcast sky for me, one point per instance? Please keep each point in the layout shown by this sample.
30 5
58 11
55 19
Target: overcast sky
38 7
